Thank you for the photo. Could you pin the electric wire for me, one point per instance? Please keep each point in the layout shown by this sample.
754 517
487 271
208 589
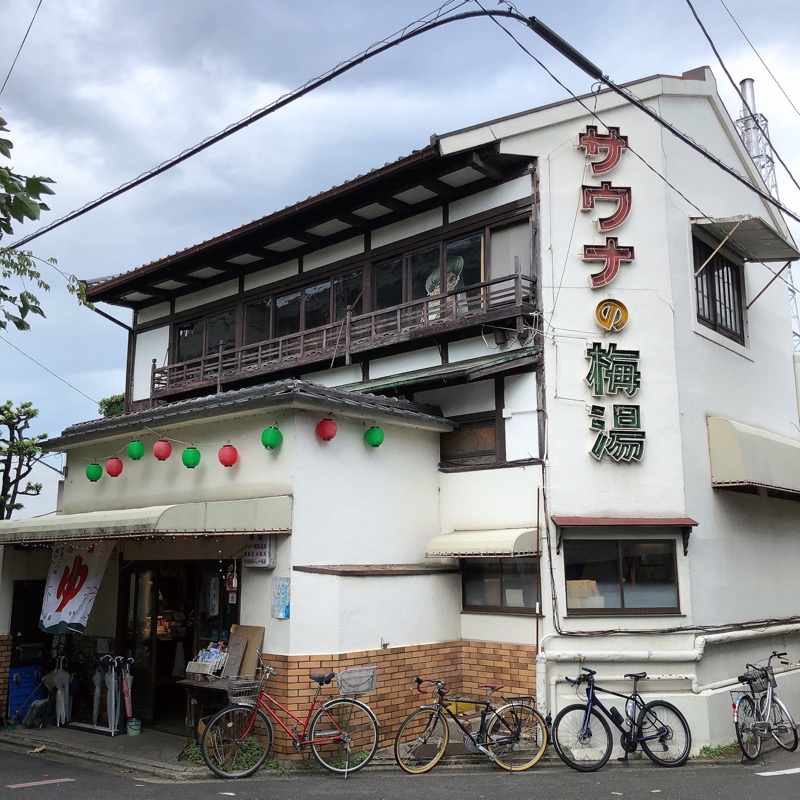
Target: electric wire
681 136
758 55
375 50
738 91
424 24
24 39
46 369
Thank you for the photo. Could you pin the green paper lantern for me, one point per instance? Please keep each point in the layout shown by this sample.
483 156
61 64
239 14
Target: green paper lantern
94 472
191 457
135 450
271 438
374 436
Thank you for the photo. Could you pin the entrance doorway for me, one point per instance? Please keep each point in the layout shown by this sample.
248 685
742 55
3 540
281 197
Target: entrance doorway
168 611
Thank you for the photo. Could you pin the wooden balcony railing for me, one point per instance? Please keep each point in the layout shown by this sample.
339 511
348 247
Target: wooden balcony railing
480 303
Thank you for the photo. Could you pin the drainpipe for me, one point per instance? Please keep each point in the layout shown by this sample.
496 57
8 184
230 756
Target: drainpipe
545 695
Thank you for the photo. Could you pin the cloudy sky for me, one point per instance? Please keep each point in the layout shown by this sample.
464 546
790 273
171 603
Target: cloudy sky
105 90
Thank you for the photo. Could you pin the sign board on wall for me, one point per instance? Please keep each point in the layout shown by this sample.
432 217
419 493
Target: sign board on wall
260 553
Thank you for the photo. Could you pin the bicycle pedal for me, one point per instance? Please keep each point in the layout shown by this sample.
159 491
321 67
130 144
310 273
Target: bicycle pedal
761 728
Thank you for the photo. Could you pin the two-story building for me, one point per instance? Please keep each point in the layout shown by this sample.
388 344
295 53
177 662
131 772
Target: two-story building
520 401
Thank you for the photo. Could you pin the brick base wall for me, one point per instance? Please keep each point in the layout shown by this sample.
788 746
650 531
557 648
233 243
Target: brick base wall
5 669
463 664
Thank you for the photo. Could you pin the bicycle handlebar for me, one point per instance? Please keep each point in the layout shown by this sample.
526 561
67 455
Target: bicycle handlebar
590 673
441 686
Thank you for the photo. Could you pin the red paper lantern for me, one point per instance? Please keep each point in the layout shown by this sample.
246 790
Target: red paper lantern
114 466
228 455
162 450
326 429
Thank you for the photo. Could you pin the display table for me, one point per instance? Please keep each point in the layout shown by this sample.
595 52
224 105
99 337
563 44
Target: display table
200 693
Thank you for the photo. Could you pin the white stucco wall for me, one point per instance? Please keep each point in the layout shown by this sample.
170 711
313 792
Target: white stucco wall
688 373
360 505
149 482
149 345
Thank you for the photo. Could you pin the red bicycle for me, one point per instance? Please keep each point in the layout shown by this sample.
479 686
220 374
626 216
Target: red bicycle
342 732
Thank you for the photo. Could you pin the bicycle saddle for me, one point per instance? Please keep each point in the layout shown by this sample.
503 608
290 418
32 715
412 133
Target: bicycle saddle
493 686
636 675
322 678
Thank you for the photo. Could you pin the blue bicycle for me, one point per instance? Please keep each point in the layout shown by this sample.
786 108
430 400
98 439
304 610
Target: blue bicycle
583 740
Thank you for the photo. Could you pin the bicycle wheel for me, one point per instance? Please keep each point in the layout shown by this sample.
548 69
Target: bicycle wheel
421 741
343 735
236 742
517 736
782 725
581 743
749 743
671 747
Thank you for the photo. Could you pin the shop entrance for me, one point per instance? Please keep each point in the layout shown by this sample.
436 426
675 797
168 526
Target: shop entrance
168 611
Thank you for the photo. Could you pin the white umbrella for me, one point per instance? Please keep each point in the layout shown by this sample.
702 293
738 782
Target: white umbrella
111 696
62 690
97 680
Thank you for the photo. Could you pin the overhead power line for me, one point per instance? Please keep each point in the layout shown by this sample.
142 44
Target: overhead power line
428 23
745 104
24 39
758 55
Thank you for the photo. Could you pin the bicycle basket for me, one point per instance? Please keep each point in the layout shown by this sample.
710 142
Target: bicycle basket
758 680
358 680
243 691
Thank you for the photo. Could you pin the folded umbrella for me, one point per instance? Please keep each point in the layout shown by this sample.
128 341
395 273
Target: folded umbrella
127 682
97 680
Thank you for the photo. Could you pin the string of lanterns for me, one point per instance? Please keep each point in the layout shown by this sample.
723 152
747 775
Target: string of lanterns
228 455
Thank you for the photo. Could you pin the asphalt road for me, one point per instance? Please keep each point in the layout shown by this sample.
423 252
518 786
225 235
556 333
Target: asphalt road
40 776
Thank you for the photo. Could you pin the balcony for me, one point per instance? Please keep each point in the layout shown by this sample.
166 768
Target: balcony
506 299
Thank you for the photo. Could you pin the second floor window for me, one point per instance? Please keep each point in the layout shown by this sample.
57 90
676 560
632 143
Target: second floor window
417 275
208 335
718 292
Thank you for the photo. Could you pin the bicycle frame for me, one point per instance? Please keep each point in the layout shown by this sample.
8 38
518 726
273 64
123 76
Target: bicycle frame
297 733
487 709
762 701
628 731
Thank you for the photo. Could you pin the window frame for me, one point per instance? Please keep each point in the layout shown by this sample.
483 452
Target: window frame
365 264
406 256
711 311
622 610
207 348
503 608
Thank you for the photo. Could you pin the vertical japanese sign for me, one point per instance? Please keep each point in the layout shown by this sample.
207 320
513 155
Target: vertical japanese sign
73 581
612 371
280 598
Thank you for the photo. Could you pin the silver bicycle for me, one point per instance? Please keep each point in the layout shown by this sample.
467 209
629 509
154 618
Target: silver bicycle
758 712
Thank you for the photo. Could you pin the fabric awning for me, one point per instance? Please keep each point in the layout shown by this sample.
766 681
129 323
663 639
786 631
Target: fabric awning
221 517
750 237
743 456
498 542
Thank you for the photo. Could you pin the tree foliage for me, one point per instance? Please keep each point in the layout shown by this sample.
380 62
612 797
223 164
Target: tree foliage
21 200
109 406
18 455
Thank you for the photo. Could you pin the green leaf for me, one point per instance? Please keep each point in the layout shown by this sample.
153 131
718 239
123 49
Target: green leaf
36 186
22 207
5 147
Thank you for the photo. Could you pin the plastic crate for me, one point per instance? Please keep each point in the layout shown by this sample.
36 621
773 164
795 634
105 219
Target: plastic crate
24 687
358 680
